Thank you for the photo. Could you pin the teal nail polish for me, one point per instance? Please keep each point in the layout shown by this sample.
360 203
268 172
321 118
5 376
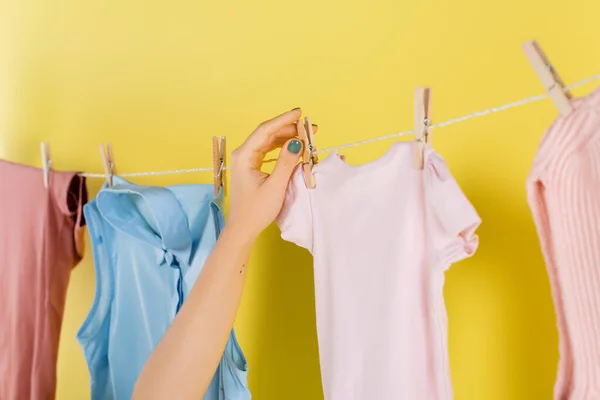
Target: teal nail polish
294 146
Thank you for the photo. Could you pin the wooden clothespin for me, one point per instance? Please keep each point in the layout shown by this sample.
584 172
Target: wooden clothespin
422 123
46 163
311 140
549 77
219 160
309 159
108 162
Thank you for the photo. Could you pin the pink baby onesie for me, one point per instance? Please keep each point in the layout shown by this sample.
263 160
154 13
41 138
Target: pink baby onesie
564 195
381 234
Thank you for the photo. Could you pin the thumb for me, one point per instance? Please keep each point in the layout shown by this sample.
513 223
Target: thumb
287 161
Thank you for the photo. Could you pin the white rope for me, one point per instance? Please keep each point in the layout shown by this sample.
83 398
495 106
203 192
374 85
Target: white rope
375 139
151 173
460 119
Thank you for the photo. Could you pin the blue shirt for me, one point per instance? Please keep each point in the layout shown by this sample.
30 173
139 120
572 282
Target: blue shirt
149 246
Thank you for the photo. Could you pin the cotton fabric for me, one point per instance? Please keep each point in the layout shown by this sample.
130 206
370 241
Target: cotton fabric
381 234
149 244
41 241
564 196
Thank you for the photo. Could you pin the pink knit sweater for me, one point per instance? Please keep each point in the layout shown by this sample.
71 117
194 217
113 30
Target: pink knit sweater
564 196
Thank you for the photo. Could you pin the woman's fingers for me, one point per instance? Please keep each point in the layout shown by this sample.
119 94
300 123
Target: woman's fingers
267 128
286 162
292 129
277 139
270 135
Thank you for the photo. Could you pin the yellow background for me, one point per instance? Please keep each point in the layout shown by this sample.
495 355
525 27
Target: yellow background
159 78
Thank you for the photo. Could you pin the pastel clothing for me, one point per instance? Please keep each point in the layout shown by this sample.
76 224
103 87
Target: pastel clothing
149 246
381 234
41 241
564 196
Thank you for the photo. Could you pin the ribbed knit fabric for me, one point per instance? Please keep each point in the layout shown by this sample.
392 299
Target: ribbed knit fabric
564 196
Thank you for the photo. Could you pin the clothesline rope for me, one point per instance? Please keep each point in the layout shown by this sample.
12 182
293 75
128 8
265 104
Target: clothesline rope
475 114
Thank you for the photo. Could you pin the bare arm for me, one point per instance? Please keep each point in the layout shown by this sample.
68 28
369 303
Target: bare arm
183 364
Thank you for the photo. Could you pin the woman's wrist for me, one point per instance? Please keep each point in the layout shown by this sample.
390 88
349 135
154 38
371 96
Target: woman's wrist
237 235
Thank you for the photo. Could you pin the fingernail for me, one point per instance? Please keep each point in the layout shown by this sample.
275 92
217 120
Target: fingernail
294 146
295 109
315 125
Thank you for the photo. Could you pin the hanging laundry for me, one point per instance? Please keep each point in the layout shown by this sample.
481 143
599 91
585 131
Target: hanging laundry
149 246
563 189
41 240
381 234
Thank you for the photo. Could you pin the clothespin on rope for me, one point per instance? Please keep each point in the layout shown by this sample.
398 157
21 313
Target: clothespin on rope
309 159
108 162
46 163
219 161
422 123
549 77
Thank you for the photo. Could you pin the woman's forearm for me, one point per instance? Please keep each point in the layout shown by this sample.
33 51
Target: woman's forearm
182 365
199 333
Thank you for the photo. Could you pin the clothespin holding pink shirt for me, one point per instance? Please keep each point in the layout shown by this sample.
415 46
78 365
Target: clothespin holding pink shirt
422 123
108 162
46 163
549 77
309 159
219 160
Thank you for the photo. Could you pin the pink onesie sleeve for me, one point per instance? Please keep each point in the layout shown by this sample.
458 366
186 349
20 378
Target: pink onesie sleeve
452 216
295 218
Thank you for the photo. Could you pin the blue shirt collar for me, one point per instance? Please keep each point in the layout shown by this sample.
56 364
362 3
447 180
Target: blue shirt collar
162 224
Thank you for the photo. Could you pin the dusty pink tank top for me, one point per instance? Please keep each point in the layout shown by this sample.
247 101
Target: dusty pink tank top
40 242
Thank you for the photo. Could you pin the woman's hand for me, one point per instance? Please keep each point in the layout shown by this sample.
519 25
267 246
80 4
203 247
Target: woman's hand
257 197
